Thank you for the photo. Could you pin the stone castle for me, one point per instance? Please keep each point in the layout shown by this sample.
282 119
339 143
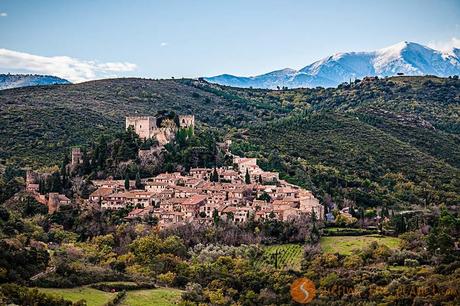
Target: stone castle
147 127
77 156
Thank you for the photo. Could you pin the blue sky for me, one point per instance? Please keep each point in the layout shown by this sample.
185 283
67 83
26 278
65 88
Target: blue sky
89 39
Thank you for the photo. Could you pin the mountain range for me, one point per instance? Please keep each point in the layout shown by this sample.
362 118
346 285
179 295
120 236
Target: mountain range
8 81
406 58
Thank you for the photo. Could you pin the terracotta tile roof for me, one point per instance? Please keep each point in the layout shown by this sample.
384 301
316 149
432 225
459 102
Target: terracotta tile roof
194 200
102 191
157 183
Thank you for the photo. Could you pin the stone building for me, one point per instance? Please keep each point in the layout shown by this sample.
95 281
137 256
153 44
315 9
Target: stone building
32 181
144 126
55 201
77 156
186 121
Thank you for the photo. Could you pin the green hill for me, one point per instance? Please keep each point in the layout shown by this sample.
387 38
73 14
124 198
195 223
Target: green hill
340 155
38 124
394 140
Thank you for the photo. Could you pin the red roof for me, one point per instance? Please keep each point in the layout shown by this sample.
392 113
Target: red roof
195 200
102 191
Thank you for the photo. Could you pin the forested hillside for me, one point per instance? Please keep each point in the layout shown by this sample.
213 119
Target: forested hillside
39 124
341 156
375 141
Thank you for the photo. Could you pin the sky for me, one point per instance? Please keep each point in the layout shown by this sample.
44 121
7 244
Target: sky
90 39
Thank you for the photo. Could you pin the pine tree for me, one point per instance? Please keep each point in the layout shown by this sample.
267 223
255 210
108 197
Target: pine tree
56 184
86 166
65 162
215 216
127 182
214 175
41 186
314 234
138 181
247 178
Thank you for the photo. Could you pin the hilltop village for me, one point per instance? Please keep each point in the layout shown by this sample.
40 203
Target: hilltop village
233 193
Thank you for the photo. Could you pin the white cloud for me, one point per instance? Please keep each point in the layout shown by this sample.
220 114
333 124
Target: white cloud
72 69
163 44
3 14
445 46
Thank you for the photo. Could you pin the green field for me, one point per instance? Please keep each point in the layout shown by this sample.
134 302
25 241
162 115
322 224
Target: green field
152 297
92 296
289 256
346 244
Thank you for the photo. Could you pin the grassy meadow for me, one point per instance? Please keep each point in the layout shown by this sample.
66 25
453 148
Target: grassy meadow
92 296
152 297
346 244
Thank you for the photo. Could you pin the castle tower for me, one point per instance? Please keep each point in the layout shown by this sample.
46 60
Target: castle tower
144 126
77 157
186 121
53 202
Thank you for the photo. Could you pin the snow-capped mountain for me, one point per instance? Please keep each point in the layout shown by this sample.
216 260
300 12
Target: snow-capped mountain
21 80
405 57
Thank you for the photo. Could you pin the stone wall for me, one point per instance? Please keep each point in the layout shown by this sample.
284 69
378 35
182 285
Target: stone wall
143 125
186 121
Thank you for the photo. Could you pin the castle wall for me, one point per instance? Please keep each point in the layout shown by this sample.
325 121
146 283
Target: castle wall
143 126
53 202
146 127
77 156
186 121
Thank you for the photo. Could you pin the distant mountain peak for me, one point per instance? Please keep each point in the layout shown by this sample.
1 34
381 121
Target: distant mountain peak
8 81
405 57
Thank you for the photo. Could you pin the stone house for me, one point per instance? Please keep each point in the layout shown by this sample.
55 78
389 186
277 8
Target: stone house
191 206
55 201
99 194
200 173
156 187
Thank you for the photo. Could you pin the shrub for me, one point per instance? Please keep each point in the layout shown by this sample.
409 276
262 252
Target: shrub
330 261
353 261
167 278
411 262
398 257
329 280
121 286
